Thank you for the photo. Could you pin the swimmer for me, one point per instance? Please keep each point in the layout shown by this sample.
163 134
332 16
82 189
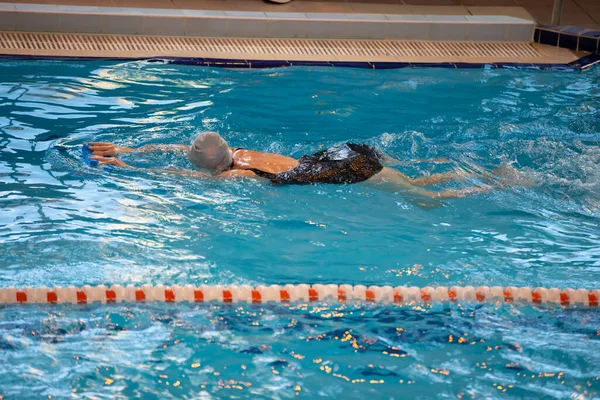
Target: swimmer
342 164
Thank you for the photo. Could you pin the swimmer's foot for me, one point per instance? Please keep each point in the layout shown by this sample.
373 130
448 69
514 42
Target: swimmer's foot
509 176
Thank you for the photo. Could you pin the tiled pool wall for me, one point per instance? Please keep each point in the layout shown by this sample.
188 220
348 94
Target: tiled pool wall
569 37
245 24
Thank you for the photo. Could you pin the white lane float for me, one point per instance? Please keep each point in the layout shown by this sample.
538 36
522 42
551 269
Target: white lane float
300 293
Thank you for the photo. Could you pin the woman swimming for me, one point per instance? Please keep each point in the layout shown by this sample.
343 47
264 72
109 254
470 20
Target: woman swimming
342 164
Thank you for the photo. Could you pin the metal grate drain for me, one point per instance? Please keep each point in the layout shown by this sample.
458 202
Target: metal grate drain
123 46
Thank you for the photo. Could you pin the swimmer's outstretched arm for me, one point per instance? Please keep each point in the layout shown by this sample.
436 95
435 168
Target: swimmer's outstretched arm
231 174
111 149
118 163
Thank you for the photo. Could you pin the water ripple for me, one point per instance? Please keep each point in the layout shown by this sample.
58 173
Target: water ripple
534 134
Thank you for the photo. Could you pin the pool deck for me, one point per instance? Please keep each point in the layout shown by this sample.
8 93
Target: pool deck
288 51
117 42
584 13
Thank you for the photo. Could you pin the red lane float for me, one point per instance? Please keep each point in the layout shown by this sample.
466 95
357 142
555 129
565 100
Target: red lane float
300 293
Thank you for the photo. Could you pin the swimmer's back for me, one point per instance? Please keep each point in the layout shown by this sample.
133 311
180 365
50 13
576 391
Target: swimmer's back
342 164
268 162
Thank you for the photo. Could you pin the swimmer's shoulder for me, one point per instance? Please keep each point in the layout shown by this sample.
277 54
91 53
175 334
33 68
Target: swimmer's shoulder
241 152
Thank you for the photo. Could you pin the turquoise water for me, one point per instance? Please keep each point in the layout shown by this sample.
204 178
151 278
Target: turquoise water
63 223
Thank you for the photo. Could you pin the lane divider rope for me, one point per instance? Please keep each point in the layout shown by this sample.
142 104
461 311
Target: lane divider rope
299 293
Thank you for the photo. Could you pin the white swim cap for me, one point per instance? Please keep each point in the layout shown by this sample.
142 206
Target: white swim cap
210 150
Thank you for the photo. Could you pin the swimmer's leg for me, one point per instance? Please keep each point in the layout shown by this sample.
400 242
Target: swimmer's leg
436 179
499 177
394 180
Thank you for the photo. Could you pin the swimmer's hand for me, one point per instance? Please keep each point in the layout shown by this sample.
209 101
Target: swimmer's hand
109 161
108 149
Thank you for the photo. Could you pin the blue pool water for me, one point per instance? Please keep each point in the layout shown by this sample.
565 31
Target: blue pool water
63 223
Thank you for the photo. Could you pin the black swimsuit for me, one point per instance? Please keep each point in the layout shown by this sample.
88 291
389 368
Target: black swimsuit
346 163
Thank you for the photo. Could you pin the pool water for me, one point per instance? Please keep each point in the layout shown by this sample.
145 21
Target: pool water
63 223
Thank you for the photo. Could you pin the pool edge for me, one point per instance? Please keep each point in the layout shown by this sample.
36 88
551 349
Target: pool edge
581 64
